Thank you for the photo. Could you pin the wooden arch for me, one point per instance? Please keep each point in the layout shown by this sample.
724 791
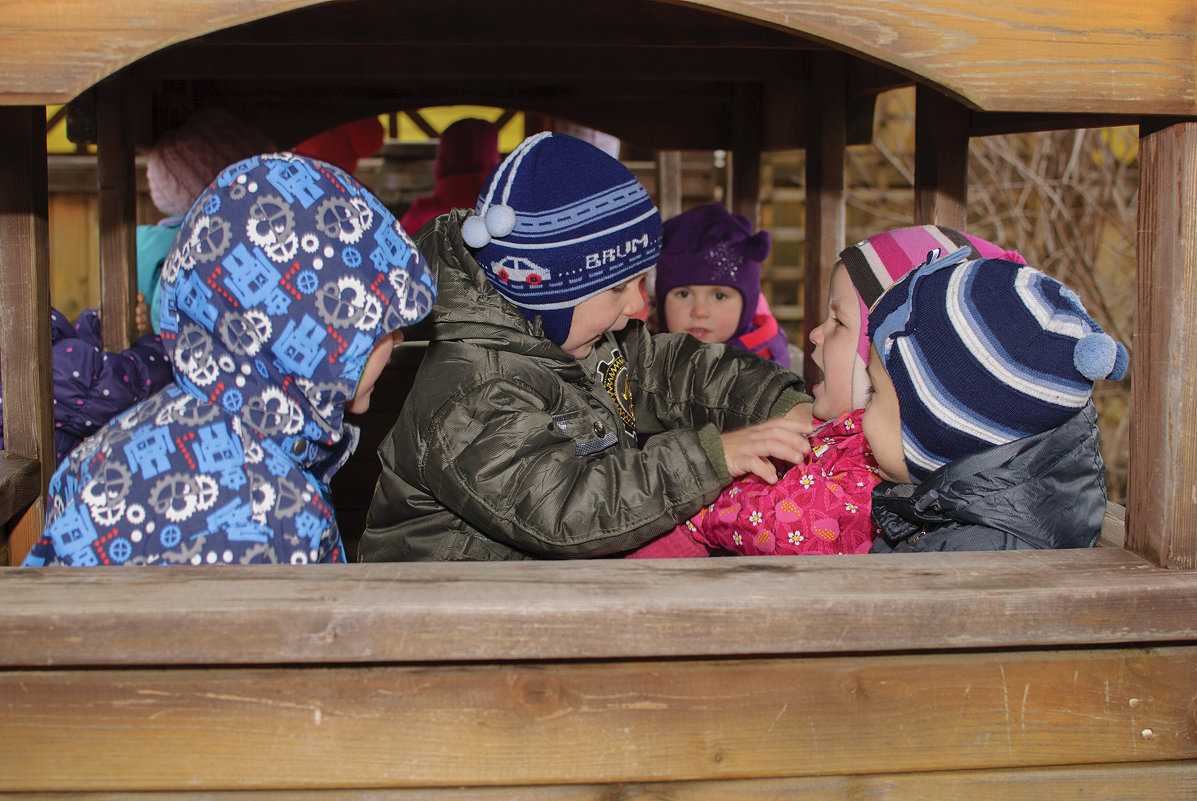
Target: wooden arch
942 675
1105 57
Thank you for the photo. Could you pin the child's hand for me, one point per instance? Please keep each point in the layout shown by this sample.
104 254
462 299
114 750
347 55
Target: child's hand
141 315
803 415
748 450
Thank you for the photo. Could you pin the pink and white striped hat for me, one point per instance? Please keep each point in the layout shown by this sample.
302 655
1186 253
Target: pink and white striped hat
876 263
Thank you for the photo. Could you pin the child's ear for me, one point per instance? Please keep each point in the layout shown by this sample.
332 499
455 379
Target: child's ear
756 247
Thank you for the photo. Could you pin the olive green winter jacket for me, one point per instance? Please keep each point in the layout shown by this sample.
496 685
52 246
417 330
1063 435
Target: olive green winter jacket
509 448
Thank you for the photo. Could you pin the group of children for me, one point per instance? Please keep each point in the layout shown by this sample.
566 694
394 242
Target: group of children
954 410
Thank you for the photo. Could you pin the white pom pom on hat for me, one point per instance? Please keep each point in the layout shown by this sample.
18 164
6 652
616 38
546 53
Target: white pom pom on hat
495 223
474 232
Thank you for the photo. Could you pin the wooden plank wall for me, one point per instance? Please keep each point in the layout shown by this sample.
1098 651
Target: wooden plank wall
606 722
987 675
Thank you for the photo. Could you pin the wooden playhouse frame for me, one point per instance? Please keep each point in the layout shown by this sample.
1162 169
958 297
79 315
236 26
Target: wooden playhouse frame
1009 675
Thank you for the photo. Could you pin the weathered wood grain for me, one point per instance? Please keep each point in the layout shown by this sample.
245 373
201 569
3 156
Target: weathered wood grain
24 304
589 609
1133 782
1162 508
20 485
1102 56
600 722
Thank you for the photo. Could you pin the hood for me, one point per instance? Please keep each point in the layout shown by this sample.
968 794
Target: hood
284 275
468 308
1042 491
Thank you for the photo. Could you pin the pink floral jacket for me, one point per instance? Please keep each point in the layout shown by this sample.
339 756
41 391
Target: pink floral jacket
818 507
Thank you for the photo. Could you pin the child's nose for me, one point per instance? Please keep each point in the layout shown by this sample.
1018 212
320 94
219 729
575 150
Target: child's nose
635 302
816 335
700 310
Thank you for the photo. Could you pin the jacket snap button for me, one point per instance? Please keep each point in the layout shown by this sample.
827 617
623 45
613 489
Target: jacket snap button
600 430
299 448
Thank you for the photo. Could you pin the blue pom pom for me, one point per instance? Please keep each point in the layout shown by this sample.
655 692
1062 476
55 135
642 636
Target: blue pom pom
1121 363
474 232
1095 355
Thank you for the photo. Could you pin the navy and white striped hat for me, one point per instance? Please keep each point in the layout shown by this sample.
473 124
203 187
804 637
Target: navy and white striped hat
560 221
983 352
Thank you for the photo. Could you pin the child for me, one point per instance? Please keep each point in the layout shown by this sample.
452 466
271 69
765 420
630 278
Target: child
181 164
522 442
283 296
822 505
709 282
980 418
92 386
467 152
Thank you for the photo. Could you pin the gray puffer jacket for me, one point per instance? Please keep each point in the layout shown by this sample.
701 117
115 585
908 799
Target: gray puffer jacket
1042 491
508 448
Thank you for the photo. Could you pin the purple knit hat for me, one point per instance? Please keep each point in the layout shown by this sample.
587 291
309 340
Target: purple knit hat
876 263
710 246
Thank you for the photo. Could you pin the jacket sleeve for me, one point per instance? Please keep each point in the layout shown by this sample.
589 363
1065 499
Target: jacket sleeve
682 382
495 457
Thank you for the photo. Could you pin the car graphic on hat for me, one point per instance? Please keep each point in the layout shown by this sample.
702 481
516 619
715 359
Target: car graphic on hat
518 268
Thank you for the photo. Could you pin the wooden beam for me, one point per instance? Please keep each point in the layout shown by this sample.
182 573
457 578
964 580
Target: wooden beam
507 116
118 214
940 160
826 146
269 614
1162 509
424 125
1115 782
558 723
25 372
747 139
669 183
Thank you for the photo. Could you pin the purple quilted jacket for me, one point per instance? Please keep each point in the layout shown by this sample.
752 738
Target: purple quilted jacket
92 386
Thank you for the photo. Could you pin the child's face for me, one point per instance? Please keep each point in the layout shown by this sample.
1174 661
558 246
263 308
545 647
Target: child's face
882 424
377 360
709 312
835 340
606 311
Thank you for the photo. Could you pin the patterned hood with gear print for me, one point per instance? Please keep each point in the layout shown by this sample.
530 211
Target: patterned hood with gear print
285 274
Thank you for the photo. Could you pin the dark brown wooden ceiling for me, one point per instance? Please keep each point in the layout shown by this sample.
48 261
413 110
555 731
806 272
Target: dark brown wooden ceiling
654 74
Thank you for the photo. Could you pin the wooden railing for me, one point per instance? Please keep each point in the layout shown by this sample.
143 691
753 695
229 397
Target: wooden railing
1013 675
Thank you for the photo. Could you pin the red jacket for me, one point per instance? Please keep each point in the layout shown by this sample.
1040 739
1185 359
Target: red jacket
452 192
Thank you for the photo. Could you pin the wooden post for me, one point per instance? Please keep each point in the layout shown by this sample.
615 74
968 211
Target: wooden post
826 145
669 183
25 301
117 213
1162 508
941 131
747 139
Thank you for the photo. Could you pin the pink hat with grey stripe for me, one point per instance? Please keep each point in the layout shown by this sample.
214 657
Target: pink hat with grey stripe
876 263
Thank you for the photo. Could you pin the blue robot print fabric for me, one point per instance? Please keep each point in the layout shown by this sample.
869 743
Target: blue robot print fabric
285 273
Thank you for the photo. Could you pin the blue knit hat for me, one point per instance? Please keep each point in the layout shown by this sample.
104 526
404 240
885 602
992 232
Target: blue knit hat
560 221
984 352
